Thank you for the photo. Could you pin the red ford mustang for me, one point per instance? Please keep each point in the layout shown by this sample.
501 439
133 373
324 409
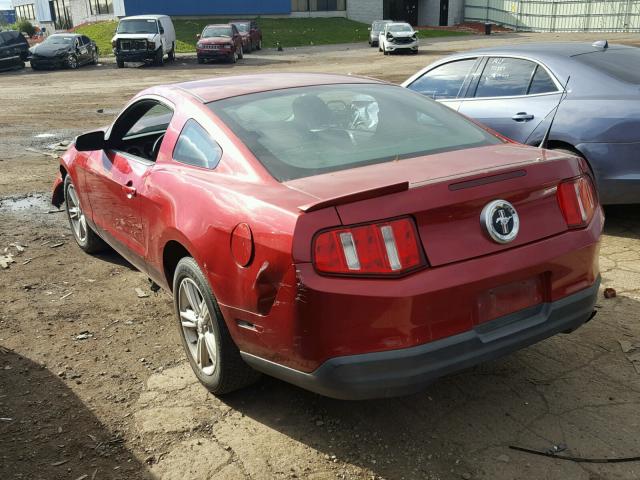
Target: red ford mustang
343 234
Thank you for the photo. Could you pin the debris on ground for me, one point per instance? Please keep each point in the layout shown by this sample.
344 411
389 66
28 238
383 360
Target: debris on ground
5 260
626 346
56 245
84 335
610 293
574 459
141 293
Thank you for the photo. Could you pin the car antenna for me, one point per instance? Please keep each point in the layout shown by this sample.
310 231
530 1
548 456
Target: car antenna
545 138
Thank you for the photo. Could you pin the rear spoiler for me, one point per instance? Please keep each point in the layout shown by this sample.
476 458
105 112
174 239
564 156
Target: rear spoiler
356 196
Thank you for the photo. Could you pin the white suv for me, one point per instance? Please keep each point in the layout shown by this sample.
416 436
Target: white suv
144 38
398 36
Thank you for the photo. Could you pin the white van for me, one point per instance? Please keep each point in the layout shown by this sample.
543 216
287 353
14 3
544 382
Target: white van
144 38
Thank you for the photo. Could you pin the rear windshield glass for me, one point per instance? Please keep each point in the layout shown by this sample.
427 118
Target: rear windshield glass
9 38
307 131
621 64
223 31
138 26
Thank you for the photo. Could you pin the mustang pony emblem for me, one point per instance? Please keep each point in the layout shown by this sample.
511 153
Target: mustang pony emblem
500 221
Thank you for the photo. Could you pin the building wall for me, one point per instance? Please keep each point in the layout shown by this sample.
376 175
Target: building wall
429 12
365 11
210 7
81 13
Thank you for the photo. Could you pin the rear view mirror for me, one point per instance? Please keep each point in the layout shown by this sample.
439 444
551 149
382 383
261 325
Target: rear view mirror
198 36
161 30
369 28
90 142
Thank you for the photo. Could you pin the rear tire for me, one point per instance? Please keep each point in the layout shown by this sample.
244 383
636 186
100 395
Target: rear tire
172 53
241 54
259 46
95 57
212 354
84 236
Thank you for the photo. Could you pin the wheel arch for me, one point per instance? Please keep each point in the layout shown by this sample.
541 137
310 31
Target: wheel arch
57 198
559 144
172 252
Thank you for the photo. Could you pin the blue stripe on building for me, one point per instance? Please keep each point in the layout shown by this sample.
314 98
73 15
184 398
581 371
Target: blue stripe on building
210 7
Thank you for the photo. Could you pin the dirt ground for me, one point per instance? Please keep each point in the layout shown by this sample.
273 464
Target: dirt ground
94 384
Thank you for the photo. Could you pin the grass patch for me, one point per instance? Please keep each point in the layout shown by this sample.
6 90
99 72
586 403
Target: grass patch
290 32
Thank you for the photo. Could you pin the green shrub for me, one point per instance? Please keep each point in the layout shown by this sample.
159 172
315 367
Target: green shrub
25 26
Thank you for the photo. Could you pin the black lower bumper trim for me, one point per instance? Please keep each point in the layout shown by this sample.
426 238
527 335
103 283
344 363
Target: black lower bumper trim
404 371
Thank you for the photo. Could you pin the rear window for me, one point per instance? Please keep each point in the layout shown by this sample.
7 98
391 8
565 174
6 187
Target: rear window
621 64
307 131
10 38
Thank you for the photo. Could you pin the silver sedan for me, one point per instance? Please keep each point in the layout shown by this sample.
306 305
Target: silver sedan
516 89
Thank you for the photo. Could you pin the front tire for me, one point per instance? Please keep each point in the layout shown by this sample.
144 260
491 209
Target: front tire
200 60
159 60
84 236
119 62
212 354
72 61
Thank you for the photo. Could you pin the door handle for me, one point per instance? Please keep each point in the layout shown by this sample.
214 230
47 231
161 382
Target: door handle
522 117
129 190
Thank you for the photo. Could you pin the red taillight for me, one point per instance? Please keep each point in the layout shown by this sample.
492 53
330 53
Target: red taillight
577 201
384 248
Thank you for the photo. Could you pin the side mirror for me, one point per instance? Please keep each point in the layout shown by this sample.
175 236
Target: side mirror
161 30
369 28
90 142
198 36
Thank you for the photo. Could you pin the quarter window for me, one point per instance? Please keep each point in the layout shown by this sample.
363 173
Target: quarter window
196 147
445 81
505 77
541 82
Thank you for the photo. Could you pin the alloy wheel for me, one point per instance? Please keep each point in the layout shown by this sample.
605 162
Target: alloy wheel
78 220
73 61
197 326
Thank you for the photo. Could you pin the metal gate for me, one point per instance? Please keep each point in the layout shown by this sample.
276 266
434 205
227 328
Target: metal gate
557 16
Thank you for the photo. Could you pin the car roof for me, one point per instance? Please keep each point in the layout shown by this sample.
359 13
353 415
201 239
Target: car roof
544 49
65 35
144 17
212 89
217 25
240 21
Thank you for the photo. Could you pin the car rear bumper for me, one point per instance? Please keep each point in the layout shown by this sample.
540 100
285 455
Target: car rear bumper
7 63
408 370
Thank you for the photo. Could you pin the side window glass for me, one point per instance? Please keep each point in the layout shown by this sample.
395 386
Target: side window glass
503 77
542 82
445 81
196 147
155 119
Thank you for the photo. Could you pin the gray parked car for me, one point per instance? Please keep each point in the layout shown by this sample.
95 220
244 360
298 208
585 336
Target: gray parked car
515 90
374 31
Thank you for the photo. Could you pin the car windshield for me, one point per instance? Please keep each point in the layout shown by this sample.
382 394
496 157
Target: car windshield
300 132
138 26
243 27
222 31
400 28
622 64
59 40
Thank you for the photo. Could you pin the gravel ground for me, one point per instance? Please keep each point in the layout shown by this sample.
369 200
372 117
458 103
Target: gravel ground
93 381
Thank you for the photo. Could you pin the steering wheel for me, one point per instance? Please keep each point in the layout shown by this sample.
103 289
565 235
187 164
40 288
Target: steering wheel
156 147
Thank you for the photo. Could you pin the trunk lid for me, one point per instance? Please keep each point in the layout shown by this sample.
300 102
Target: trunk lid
447 193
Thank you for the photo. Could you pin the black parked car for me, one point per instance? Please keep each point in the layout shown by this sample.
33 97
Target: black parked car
14 50
67 50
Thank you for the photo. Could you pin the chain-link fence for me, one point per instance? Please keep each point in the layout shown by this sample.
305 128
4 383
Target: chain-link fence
557 16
